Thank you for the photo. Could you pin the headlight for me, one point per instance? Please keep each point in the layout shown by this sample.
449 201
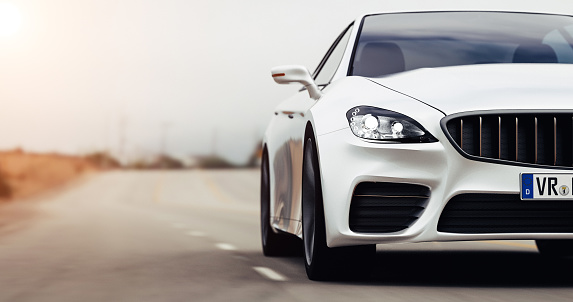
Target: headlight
386 126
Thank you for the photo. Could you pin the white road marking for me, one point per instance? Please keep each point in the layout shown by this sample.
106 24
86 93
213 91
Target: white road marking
269 273
196 234
226 247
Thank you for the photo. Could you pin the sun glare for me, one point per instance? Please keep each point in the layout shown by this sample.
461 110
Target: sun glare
10 19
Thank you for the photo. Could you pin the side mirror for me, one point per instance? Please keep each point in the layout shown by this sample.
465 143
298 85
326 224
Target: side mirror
296 74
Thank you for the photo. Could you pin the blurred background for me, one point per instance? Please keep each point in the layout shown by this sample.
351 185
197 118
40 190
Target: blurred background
141 79
138 79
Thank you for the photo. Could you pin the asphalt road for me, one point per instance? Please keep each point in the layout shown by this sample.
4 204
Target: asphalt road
194 236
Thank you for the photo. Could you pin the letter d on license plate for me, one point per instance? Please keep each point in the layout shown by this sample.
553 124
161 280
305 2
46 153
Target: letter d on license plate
546 186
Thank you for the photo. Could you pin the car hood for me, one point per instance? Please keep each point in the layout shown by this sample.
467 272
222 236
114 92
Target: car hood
487 86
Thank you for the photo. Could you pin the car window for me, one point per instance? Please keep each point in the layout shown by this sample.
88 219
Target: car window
327 67
560 40
392 43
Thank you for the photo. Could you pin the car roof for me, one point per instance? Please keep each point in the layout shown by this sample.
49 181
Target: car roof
524 11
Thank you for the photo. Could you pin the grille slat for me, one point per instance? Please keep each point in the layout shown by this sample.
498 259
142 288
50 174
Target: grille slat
543 139
490 137
475 213
554 141
378 207
480 135
535 139
564 138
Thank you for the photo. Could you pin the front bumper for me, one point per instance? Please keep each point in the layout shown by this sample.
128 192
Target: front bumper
437 166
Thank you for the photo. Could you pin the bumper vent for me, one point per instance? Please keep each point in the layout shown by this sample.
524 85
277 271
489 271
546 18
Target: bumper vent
505 213
540 139
386 207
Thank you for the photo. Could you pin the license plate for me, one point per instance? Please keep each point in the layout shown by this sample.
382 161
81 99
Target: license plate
546 186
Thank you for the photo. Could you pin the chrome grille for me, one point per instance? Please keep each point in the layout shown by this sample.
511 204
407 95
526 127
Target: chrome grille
528 138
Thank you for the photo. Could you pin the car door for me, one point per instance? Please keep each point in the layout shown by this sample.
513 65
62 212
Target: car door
287 129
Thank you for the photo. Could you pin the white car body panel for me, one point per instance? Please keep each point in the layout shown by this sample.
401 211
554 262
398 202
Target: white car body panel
284 141
426 95
487 86
442 167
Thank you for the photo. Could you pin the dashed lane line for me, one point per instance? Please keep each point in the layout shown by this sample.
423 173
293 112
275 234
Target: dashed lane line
226 247
269 273
263 271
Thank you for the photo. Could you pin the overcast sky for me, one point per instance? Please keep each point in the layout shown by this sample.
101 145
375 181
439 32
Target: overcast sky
196 73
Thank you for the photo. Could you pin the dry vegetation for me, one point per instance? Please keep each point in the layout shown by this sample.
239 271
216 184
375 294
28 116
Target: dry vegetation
25 174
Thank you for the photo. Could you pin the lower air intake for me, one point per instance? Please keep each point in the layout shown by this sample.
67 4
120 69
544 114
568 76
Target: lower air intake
378 207
505 213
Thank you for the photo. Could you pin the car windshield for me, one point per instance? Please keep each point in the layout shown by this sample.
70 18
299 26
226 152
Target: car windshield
392 43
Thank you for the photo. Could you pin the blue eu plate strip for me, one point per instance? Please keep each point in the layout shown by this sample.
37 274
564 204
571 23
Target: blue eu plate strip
526 186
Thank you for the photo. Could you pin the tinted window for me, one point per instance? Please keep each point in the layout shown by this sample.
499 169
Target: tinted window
329 64
391 43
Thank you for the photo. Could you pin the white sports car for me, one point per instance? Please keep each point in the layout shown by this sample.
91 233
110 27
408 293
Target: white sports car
424 126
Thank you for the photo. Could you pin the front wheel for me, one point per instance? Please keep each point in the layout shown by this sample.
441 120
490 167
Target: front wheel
555 247
322 262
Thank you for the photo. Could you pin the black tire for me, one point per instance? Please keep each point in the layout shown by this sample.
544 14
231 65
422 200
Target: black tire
274 244
322 262
555 247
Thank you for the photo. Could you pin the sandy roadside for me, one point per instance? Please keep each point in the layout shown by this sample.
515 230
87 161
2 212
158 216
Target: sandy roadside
23 175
